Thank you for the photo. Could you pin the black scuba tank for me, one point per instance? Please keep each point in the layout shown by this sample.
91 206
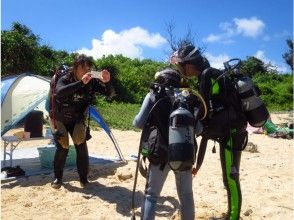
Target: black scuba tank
253 107
181 147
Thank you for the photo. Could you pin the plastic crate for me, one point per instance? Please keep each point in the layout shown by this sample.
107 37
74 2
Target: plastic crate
46 156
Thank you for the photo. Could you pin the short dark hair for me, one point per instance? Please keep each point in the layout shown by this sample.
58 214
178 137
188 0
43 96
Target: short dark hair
168 77
83 60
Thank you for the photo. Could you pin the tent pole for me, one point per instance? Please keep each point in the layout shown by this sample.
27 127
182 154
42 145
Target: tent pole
117 148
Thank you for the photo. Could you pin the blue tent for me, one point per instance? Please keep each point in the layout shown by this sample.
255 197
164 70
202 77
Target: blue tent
94 114
22 93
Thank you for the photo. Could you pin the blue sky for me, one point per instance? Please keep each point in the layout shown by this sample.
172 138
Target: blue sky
225 29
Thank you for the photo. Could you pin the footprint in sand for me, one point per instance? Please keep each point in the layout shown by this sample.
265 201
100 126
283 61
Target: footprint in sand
85 212
273 198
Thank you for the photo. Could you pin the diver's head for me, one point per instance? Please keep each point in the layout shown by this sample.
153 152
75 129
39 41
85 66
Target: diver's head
189 60
168 77
82 64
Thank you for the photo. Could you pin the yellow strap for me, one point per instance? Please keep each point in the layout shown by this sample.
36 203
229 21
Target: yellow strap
200 98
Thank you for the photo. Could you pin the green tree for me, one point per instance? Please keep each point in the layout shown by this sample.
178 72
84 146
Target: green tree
22 52
18 49
131 78
47 60
276 90
288 56
252 66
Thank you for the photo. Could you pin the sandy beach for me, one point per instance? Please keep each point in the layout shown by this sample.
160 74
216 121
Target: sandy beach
266 178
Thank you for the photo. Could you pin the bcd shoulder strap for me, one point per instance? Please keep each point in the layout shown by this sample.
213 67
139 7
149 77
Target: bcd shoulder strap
61 71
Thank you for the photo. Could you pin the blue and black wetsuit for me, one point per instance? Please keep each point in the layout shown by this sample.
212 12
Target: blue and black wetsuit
70 110
225 124
158 169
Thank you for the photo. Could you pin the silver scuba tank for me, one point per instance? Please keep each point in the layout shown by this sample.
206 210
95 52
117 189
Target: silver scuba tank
181 148
253 107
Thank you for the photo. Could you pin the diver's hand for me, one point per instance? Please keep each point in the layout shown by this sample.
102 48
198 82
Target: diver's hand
194 171
105 76
86 78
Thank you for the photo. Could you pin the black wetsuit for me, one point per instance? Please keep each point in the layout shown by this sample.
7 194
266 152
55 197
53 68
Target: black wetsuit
225 124
70 109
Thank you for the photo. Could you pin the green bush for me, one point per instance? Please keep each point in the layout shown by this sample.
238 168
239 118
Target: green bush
117 115
277 91
131 77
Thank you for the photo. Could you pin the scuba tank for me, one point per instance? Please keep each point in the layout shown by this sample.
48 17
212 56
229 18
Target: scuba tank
181 146
255 111
253 107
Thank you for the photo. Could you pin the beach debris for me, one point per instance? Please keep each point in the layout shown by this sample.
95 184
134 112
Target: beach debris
248 212
28 204
124 176
251 147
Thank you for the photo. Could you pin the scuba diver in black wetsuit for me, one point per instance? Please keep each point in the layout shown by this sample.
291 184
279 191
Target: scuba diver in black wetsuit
225 122
70 97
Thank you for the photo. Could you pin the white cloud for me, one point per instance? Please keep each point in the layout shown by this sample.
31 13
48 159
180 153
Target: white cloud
251 27
260 54
284 34
228 28
281 68
213 38
217 61
127 42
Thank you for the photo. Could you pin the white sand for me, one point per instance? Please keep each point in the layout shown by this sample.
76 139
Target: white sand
266 181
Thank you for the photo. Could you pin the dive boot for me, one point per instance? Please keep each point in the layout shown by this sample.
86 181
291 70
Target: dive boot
84 182
56 184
